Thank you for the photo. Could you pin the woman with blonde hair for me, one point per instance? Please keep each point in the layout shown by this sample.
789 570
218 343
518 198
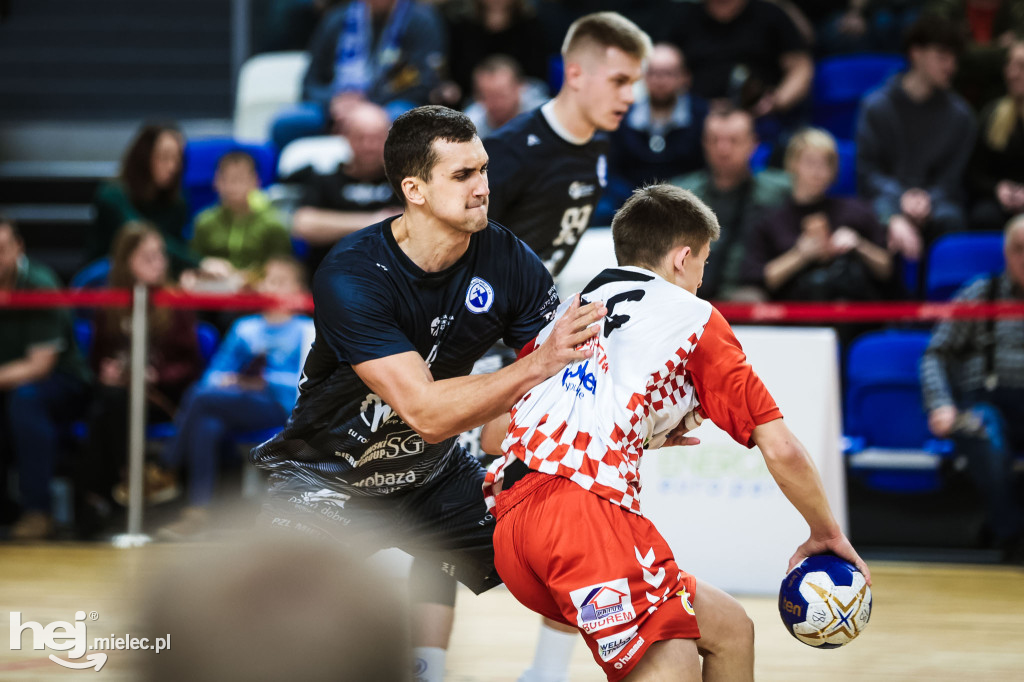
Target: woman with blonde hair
173 363
997 167
817 247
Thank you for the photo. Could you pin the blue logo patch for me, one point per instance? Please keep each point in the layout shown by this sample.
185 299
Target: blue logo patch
479 296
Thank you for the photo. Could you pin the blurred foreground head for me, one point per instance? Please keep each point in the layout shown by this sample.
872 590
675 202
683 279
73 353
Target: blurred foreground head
277 609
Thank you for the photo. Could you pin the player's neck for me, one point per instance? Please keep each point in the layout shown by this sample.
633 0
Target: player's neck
568 116
428 242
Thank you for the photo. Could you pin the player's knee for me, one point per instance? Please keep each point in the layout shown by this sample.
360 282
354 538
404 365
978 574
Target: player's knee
731 632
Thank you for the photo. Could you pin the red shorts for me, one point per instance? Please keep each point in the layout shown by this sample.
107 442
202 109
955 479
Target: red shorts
576 558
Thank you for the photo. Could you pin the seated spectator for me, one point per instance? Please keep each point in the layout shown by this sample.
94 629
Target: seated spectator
990 27
389 52
251 384
997 168
43 383
914 139
235 237
737 196
485 28
751 52
148 189
660 136
173 364
500 94
973 381
357 194
815 247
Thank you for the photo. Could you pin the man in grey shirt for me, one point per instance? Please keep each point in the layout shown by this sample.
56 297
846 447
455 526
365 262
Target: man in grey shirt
973 380
914 139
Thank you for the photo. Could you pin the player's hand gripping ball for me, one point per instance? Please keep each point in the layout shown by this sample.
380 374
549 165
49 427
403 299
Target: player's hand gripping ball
825 601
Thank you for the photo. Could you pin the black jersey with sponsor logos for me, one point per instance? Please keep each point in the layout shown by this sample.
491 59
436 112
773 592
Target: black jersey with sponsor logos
371 301
544 187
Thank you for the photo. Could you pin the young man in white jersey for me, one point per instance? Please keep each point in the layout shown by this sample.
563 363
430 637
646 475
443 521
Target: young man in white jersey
663 361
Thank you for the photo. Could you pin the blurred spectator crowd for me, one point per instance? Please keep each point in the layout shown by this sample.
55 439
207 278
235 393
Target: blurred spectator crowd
836 140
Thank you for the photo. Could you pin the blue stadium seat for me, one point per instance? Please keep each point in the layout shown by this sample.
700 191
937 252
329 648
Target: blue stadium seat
93 275
201 157
891 447
956 258
841 82
760 157
846 181
209 338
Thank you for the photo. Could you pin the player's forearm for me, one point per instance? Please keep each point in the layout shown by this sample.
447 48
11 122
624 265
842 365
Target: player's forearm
449 407
794 471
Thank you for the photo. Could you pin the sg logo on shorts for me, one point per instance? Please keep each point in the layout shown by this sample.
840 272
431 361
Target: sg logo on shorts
479 296
603 605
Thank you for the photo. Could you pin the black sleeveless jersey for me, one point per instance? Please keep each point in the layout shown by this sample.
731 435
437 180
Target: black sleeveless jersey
371 301
543 187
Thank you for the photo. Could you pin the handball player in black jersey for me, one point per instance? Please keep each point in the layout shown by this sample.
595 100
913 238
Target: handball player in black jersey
549 166
403 309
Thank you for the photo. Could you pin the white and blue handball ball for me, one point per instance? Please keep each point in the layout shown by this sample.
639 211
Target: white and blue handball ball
825 602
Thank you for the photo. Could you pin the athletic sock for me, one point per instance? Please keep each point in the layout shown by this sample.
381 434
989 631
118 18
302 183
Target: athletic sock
552 656
428 664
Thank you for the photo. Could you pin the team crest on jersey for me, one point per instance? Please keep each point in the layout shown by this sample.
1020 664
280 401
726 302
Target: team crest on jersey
479 296
603 605
602 170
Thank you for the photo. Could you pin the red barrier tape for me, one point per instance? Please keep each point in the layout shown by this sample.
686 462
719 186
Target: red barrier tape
764 313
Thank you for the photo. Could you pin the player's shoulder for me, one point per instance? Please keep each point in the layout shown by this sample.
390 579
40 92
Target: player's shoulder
361 256
518 131
497 241
668 299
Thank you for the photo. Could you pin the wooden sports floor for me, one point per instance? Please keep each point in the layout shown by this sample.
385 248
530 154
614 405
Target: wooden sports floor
934 622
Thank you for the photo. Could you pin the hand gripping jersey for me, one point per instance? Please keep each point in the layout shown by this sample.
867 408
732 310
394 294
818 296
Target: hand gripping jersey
372 301
661 353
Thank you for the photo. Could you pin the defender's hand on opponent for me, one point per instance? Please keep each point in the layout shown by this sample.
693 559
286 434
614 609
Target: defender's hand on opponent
570 331
837 544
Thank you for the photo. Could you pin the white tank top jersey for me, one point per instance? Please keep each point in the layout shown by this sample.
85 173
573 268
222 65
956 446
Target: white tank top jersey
661 354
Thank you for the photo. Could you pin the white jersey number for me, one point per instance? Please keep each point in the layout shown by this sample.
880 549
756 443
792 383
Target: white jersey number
574 222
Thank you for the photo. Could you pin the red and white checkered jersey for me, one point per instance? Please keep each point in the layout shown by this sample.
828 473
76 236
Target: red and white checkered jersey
661 353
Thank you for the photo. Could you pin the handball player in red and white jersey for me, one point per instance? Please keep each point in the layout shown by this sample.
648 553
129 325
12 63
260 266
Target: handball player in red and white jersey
571 542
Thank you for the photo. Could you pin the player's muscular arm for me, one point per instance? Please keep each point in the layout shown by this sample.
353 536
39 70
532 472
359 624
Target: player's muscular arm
792 468
440 409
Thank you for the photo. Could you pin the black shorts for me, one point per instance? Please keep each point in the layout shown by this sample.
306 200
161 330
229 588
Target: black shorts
445 520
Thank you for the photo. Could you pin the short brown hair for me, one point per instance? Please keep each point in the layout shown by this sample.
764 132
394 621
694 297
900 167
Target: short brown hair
409 150
607 29
656 219
239 156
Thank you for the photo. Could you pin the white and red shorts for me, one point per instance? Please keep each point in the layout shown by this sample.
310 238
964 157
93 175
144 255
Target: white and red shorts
576 558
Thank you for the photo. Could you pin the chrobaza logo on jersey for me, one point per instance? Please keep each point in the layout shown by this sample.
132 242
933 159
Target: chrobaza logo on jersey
479 296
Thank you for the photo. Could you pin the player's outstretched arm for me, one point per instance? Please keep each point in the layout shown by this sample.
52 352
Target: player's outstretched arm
792 468
440 409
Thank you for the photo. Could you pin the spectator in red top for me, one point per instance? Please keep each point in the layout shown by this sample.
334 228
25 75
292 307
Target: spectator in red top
173 363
